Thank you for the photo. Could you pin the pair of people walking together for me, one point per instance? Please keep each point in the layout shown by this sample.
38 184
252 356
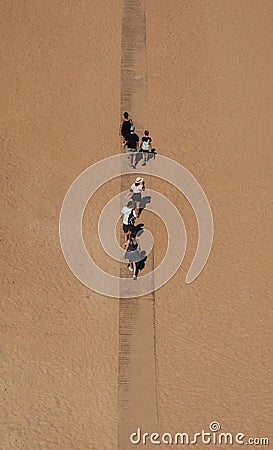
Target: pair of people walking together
131 140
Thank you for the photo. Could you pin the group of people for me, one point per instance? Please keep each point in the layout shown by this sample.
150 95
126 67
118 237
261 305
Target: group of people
131 212
131 140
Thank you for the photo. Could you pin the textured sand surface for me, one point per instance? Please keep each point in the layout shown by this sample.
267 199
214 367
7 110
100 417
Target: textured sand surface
212 65
209 79
59 341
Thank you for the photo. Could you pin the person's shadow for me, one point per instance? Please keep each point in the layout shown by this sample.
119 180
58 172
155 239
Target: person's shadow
144 202
138 158
139 229
150 155
142 261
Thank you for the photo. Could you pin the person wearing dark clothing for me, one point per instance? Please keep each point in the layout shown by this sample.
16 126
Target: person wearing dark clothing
132 141
132 249
125 124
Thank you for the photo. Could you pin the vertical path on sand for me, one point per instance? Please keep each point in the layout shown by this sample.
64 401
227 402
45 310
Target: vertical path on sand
137 400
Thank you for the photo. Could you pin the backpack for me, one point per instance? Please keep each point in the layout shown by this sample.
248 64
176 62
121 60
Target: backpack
145 145
131 219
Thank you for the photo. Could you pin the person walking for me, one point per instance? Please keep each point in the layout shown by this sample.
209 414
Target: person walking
132 141
129 217
124 128
135 192
145 146
132 250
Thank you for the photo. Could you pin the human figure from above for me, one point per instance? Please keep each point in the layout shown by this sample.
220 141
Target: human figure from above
132 249
132 141
129 217
135 192
145 146
124 128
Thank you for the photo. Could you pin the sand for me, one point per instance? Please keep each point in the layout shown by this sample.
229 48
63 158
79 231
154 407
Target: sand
209 84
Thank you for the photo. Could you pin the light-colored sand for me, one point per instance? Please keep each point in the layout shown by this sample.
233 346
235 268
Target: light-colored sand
59 341
212 65
210 108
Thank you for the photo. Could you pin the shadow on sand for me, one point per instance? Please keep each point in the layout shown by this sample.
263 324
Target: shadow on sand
139 160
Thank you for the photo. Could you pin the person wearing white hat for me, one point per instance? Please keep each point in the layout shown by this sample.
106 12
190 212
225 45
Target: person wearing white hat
135 192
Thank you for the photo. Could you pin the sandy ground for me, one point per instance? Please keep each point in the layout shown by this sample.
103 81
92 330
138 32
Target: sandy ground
59 341
214 76
209 106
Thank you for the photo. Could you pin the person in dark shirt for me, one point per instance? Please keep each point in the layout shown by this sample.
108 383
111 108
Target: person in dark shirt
132 249
132 141
145 146
124 128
